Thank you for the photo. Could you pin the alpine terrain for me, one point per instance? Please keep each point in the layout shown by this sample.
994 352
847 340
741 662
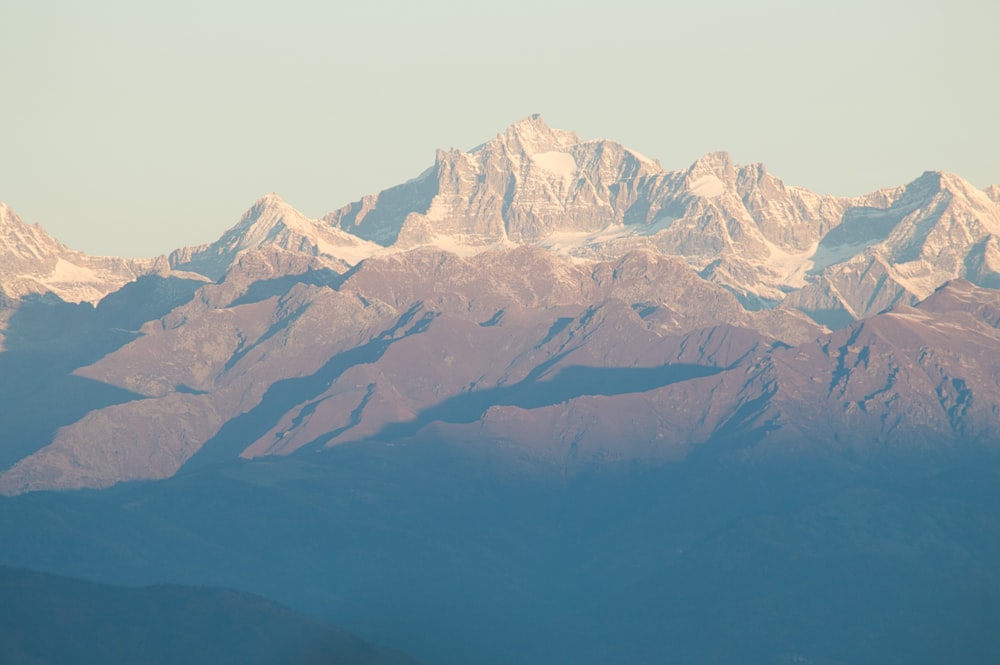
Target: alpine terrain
548 401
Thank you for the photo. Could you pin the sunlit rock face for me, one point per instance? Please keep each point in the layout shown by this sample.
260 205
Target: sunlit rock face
558 299
33 263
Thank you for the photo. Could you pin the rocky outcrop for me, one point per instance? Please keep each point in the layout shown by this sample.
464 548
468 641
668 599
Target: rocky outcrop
33 263
560 299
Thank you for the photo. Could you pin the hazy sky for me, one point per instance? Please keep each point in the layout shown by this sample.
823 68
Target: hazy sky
132 128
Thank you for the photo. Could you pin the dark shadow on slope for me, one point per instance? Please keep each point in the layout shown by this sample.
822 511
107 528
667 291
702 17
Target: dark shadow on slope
493 320
47 339
145 299
35 405
862 226
833 318
279 286
748 300
978 268
569 383
73 335
382 222
742 430
644 310
353 420
242 350
237 434
558 326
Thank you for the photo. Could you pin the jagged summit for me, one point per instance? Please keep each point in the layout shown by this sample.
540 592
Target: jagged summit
272 224
34 263
7 215
262 219
717 162
530 255
521 186
28 241
711 175
532 135
269 201
897 246
269 211
931 183
738 226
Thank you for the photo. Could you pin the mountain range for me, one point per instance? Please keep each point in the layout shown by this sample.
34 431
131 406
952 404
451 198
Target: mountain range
547 402
541 298
54 620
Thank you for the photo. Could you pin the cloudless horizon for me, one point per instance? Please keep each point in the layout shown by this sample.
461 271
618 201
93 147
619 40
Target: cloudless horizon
133 130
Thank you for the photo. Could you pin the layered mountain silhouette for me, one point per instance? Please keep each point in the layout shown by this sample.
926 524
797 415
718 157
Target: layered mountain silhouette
540 296
53 620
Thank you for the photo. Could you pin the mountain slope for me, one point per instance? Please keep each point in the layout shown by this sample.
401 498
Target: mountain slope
522 347
271 225
52 620
940 228
230 357
34 263
568 300
739 226
518 187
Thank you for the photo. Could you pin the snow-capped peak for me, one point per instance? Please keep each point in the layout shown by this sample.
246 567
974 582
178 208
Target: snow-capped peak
738 225
718 163
532 135
271 222
5 213
33 262
269 201
269 210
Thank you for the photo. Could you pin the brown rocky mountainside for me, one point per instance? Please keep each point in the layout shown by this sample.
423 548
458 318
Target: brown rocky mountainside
565 301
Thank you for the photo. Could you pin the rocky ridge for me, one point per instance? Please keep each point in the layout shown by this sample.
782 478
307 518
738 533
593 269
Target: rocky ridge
542 296
33 263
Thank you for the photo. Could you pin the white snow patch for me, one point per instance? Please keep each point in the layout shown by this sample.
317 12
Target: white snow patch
573 244
66 272
346 250
662 224
556 163
708 186
465 246
792 267
824 257
565 242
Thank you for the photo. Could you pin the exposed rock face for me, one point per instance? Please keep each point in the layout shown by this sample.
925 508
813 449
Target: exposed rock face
519 187
993 191
269 225
565 300
940 228
938 359
740 226
33 263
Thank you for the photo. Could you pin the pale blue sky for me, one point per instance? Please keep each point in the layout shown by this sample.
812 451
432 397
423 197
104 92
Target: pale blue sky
134 128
